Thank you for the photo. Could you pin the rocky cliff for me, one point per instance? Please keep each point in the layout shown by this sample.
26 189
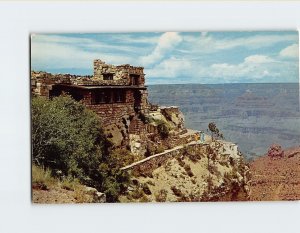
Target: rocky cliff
171 163
213 171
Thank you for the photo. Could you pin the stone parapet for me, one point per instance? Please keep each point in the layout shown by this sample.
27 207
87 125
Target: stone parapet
152 162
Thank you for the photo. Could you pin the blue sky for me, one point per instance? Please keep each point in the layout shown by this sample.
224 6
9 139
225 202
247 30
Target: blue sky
176 57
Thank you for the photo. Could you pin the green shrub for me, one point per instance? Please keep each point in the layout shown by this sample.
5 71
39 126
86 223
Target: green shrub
80 196
68 139
137 193
121 158
163 129
70 183
159 149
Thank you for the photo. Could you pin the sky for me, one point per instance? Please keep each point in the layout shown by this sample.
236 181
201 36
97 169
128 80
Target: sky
176 57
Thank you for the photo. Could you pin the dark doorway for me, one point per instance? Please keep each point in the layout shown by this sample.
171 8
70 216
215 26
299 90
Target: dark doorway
137 101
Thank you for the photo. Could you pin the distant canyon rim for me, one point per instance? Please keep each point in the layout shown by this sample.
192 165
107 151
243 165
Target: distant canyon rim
252 115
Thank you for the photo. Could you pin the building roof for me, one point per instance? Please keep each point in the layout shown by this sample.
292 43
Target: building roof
102 86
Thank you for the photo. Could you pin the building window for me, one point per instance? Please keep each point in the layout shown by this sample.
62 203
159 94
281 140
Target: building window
109 96
103 97
134 79
108 76
120 96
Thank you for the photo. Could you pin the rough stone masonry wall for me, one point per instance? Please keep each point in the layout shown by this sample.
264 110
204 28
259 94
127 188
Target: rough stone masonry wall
121 74
113 113
41 82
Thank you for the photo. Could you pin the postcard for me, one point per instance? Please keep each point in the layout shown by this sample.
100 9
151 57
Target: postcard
165 117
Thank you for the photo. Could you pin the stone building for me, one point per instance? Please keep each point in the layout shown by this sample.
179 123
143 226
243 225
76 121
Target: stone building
116 93
119 96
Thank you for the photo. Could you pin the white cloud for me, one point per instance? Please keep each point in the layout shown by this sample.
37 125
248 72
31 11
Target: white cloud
67 52
255 41
291 51
45 38
166 44
253 67
204 33
171 68
209 44
258 59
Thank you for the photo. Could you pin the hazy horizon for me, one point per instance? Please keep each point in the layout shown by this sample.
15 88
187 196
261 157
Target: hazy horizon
269 115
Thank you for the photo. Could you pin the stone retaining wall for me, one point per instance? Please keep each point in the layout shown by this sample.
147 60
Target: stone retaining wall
146 166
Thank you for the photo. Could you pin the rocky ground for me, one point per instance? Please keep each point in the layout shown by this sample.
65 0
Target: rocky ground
53 196
272 179
57 194
187 178
276 179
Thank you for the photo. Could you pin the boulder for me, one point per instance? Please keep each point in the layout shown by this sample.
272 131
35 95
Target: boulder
98 197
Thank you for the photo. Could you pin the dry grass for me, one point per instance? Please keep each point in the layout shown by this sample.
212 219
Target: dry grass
70 183
80 195
41 178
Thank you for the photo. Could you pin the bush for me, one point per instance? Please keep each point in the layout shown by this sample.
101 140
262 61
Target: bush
144 198
161 196
180 161
80 196
188 170
213 169
194 156
146 189
215 132
177 192
42 179
68 139
163 130
70 183
121 158
150 150
137 193
159 149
